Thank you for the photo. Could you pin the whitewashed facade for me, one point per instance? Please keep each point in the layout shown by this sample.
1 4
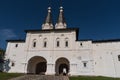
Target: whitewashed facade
49 50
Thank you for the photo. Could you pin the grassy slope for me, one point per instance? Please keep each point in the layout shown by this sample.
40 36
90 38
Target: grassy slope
93 78
6 76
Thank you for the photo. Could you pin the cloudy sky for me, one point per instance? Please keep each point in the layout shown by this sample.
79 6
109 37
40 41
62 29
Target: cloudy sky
97 19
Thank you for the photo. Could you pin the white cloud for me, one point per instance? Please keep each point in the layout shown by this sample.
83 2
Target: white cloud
7 34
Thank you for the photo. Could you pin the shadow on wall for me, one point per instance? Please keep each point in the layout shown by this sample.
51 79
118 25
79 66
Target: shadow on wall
6 65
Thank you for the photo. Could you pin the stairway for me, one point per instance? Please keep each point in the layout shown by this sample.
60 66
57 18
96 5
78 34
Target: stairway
41 77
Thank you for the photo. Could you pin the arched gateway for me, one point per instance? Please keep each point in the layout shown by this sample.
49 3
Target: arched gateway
37 65
61 65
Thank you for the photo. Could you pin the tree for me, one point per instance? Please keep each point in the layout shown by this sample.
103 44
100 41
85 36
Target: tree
2 52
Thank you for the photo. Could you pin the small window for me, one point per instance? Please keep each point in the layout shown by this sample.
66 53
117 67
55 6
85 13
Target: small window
13 64
16 45
85 64
45 44
34 44
81 44
118 57
66 43
58 43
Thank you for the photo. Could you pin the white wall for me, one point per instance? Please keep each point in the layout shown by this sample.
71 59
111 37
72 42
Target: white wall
101 58
17 56
106 59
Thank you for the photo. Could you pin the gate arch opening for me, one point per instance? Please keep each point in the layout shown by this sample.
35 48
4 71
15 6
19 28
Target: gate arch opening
62 66
37 65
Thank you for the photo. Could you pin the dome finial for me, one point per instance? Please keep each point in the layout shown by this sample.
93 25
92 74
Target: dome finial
61 9
49 9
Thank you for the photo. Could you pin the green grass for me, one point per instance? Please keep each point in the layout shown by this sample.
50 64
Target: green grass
6 76
92 78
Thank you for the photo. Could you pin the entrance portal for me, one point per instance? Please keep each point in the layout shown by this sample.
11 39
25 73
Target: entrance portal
41 68
37 65
63 69
62 66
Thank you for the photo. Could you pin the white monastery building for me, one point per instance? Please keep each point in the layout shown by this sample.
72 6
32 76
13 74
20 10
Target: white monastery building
54 49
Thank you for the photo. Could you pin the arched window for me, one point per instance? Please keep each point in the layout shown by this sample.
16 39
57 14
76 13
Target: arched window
118 57
12 64
85 64
34 43
81 44
45 42
57 42
16 45
66 42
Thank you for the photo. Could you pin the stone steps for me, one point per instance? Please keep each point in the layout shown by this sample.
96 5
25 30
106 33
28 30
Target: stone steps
41 77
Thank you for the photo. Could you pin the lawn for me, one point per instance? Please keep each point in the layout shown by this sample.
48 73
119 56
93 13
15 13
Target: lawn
93 78
6 76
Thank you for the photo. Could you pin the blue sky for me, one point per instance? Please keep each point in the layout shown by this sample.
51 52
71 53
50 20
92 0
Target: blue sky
97 19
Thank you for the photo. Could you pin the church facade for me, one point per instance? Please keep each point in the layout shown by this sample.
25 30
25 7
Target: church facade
54 49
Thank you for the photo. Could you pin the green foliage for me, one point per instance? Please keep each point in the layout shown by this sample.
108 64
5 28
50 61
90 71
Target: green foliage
2 52
93 78
6 76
